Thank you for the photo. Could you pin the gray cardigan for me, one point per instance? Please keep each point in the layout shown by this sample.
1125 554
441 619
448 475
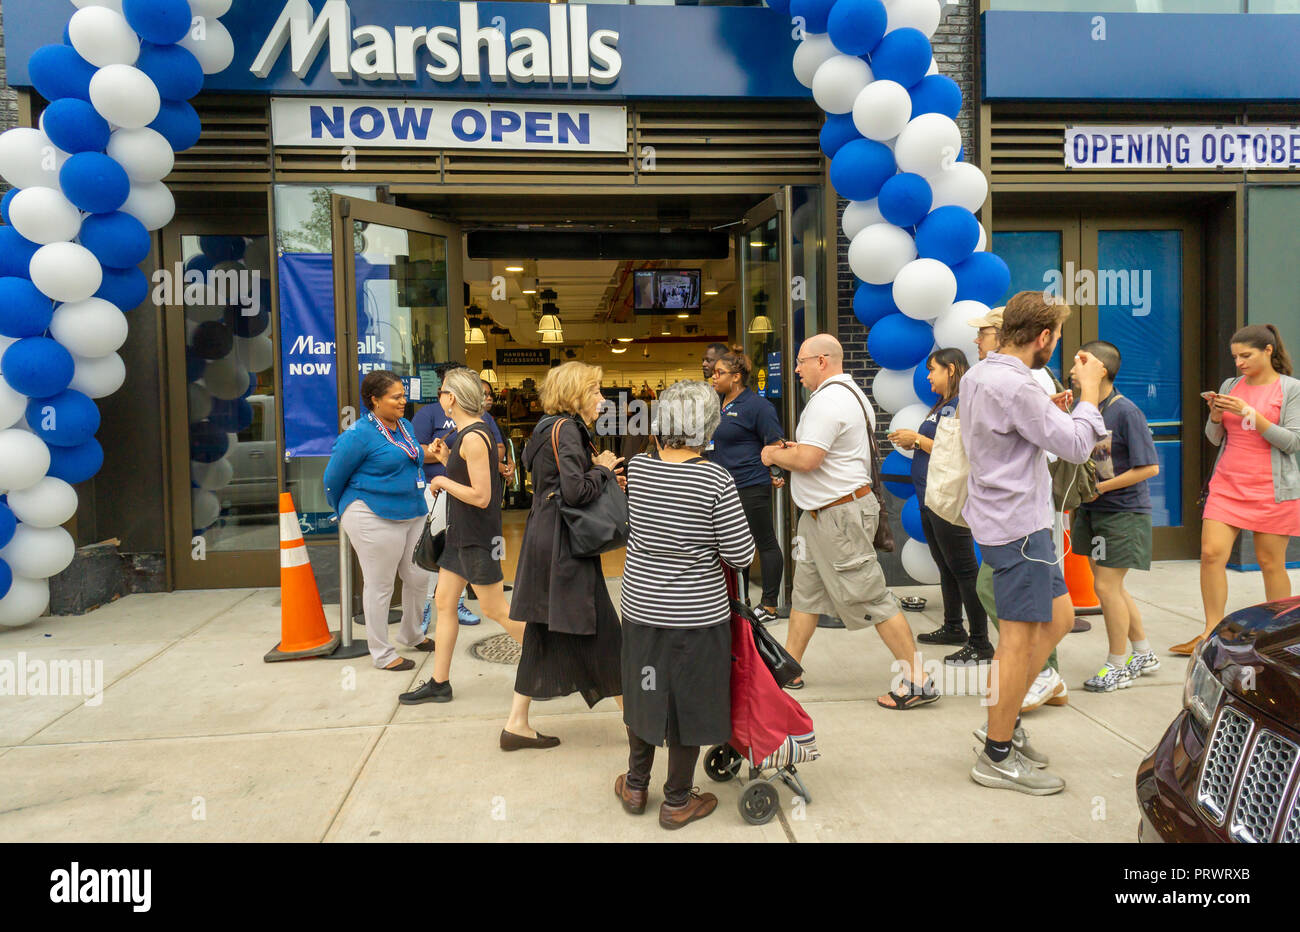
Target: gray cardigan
1283 436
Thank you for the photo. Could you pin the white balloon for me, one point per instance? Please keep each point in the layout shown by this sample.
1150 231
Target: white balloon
859 215
44 215
24 459
205 508
881 110
48 503
102 37
838 82
808 57
893 390
909 418
13 404
212 476
144 153
98 377
114 5
927 145
125 96
208 7
89 328
919 564
200 402
924 289
66 272
39 552
29 160
982 243
215 51
257 354
878 253
26 601
952 329
916 14
962 184
226 378
152 204
933 69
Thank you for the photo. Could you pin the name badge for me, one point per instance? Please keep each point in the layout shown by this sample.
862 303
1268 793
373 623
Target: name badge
419 482
709 448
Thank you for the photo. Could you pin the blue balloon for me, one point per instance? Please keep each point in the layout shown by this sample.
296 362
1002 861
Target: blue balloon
5 202
223 248
172 68
24 311
836 131
199 263
6 578
979 557
252 325
74 126
872 303
252 389
126 288
118 240
8 524
935 93
911 516
211 340
815 13
860 167
781 6
15 253
921 385
94 182
68 419
208 442
948 234
984 277
899 341
231 416
76 464
57 71
179 124
855 26
37 367
905 199
903 56
160 21
896 464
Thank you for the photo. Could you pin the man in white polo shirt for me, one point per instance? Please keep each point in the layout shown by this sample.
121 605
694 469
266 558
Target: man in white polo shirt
836 570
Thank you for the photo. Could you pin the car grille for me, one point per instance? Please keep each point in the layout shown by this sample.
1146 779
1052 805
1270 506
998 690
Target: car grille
1267 765
1272 761
1291 833
1221 762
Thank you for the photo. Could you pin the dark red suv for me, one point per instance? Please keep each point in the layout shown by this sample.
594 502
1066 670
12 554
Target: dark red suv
1228 768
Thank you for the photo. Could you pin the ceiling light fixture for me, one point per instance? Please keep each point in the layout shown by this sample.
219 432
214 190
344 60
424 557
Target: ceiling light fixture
488 374
760 324
549 323
514 268
553 336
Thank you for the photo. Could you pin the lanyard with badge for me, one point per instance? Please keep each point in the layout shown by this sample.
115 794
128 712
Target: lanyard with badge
406 443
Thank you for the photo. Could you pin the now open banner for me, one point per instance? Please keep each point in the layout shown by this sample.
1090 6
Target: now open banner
437 124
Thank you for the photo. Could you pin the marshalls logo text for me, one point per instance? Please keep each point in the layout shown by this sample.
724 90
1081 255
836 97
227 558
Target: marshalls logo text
90 885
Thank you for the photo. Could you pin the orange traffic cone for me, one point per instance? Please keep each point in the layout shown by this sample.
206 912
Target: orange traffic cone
303 631
1078 579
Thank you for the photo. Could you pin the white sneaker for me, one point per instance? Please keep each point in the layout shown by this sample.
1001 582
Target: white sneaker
1047 687
1142 663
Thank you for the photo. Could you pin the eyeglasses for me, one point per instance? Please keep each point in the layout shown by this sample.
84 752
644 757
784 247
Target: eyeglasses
717 371
804 359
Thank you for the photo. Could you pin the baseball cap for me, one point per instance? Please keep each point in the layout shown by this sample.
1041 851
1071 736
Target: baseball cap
992 319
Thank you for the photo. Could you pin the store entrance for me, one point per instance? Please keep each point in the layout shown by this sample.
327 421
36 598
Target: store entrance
1134 281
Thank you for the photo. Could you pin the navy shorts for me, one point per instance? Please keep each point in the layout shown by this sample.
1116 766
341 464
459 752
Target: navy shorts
1025 578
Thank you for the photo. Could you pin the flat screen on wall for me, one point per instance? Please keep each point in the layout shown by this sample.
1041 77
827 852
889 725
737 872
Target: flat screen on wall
659 290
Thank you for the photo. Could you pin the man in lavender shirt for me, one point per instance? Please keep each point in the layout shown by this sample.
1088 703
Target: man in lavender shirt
1008 427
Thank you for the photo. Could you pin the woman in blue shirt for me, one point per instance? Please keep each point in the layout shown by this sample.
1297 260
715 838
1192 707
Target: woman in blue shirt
374 481
748 424
952 547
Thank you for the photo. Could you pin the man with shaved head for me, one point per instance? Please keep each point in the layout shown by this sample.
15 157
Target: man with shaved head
836 570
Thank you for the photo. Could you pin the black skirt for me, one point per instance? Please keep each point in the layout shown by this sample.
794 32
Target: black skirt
474 564
553 663
677 684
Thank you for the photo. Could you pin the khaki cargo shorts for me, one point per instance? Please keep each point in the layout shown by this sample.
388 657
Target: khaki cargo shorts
836 571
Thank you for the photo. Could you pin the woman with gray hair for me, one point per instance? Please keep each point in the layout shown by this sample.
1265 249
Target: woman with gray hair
685 520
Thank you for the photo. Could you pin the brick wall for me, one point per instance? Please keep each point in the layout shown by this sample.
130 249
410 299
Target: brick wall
8 99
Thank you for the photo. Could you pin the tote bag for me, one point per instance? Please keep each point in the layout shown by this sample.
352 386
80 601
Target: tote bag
946 481
596 527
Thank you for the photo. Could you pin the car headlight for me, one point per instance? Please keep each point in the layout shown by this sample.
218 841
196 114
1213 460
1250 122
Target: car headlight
1202 691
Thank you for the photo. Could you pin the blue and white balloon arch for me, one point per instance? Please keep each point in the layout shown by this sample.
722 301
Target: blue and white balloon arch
915 246
87 192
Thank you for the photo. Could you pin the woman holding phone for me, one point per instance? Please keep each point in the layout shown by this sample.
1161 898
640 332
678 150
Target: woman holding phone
1255 420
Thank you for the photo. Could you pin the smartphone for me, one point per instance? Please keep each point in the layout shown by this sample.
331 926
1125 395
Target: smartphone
1209 396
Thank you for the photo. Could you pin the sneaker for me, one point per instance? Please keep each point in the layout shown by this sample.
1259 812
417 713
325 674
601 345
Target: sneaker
948 634
1019 741
465 615
1140 664
969 655
1015 773
1061 698
764 616
1109 679
427 691
1047 688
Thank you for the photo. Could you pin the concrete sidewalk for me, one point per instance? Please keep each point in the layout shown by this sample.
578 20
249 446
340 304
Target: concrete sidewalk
196 739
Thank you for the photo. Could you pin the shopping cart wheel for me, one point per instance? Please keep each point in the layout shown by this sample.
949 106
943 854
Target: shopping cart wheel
721 763
759 803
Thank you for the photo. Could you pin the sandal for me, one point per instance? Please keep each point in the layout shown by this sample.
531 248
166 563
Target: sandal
1185 649
911 699
796 684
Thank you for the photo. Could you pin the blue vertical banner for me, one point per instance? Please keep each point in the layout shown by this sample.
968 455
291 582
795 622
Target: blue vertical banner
309 382
774 374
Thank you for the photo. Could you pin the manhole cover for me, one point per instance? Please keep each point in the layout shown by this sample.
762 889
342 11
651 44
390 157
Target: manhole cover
500 648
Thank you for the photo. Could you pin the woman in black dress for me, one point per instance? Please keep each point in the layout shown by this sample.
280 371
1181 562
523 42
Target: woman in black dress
572 641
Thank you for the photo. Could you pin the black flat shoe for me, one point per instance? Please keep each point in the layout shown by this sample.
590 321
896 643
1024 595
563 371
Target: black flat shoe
513 742
945 635
427 691
406 663
969 655
426 645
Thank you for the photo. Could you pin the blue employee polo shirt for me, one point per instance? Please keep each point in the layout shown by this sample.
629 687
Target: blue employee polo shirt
747 425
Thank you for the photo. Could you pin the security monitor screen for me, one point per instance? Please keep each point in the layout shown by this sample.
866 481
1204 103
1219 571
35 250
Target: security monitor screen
667 290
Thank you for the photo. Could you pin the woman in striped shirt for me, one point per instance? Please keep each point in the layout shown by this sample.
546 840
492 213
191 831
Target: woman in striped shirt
685 520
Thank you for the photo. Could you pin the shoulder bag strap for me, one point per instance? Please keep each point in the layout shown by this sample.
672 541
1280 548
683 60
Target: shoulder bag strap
871 441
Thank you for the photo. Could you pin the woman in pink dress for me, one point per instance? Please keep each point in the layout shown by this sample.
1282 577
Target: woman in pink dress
1256 482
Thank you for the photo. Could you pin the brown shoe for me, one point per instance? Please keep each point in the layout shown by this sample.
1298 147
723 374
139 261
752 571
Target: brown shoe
513 742
697 806
1185 649
633 800
406 663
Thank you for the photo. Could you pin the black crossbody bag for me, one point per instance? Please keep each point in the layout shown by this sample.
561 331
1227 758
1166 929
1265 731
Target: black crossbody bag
596 527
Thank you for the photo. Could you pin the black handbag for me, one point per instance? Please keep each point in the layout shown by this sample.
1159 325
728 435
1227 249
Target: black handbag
785 669
596 527
429 548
